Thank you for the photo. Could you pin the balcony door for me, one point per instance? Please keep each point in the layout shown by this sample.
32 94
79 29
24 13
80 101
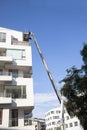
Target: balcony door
1 116
15 117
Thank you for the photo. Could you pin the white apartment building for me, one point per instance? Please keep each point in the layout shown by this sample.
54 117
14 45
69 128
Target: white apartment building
53 120
16 83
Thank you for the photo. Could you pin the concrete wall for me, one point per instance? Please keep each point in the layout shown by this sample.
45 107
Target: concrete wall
5 118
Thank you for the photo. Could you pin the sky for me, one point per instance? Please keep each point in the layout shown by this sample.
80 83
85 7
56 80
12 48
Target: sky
60 27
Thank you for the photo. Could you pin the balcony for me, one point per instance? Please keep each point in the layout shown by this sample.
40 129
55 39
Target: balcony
5 100
22 43
6 78
5 59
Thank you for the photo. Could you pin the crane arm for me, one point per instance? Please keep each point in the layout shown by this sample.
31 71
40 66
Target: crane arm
32 36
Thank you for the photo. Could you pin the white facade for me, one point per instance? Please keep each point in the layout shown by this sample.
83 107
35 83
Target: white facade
16 83
53 120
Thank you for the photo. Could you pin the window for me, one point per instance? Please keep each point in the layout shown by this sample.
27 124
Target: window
15 91
53 123
57 112
71 125
52 112
16 54
71 117
59 122
76 123
1 72
55 117
67 117
23 54
2 37
13 38
1 116
48 114
27 115
14 114
14 73
66 125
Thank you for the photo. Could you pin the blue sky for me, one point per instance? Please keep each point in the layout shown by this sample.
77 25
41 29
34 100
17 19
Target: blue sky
61 28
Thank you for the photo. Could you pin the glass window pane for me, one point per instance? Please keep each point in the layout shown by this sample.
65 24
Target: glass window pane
2 37
15 91
1 116
16 54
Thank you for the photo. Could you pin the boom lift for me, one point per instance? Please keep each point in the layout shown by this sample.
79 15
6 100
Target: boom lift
31 36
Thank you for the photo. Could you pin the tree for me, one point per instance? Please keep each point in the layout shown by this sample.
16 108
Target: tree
75 90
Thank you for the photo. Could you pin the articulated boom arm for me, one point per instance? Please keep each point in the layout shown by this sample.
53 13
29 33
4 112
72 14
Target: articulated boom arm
32 36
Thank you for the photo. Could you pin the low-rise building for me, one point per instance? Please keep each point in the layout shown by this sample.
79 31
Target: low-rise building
53 120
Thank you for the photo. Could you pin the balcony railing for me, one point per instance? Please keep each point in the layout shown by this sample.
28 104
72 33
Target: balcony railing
5 76
14 122
5 59
12 95
23 43
5 100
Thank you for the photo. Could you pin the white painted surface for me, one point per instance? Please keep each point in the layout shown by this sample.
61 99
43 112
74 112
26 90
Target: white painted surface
52 123
4 100
5 78
20 118
6 63
5 121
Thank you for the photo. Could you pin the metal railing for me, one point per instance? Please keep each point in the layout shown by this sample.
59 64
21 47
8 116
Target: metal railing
10 95
20 43
14 122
